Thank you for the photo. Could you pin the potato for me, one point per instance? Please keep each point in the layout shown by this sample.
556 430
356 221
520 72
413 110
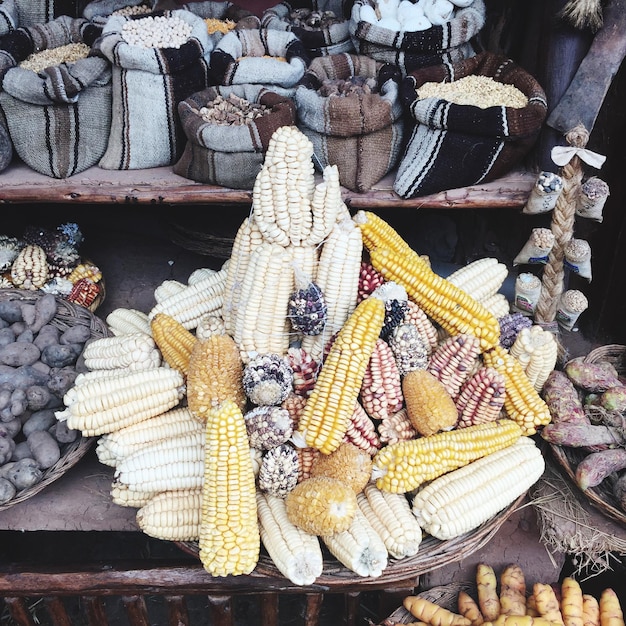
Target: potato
45 310
63 434
26 337
21 377
23 473
75 334
60 356
22 451
7 490
39 420
37 397
5 397
28 313
61 379
19 353
45 450
11 311
619 490
18 328
592 377
7 445
19 403
13 427
7 336
47 336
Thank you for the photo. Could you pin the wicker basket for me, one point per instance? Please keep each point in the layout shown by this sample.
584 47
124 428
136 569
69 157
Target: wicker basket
433 553
600 497
68 315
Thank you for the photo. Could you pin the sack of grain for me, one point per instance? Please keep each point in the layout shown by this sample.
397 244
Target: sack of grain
8 17
473 122
228 131
99 11
383 30
23 13
56 99
353 121
149 82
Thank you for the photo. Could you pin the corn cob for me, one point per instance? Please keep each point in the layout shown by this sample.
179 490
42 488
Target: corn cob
522 403
306 457
463 499
377 233
381 391
326 415
279 471
268 426
347 463
537 350
173 340
201 273
455 311
510 326
229 531
123 495
481 398
85 270
396 427
369 280
396 306
409 348
214 374
296 554
190 304
84 292
267 379
359 547
30 268
294 404
307 309
102 405
305 369
121 321
136 351
172 515
497 305
210 324
261 324
391 517
414 315
481 278
453 361
404 466
168 288
362 432
327 206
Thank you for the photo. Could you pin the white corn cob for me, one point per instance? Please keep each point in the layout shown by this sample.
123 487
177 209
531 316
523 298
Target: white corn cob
463 499
121 321
172 515
296 553
210 324
537 350
132 351
359 548
190 304
200 274
168 288
481 278
497 304
123 495
391 517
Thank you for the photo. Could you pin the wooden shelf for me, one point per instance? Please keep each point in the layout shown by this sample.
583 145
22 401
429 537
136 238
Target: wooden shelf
155 186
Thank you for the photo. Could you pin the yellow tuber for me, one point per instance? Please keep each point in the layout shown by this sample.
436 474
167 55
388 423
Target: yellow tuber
487 590
512 590
571 602
611 613
433 614
547 603
591 610
468 607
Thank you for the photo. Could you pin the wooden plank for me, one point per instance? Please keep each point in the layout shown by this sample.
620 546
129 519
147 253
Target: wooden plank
177 613
57 612
136 610
95 611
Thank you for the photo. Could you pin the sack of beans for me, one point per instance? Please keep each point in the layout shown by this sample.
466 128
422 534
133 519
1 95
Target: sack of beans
56 98
322 26
228 131
353 117
157 62
21 13
473 122
99 11
269 58
413 35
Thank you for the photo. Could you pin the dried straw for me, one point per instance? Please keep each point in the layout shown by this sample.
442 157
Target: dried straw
583 14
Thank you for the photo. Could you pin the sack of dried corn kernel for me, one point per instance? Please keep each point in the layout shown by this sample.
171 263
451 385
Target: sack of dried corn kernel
322 26
157 61
228 131
386 32
353 121
473 122
56 99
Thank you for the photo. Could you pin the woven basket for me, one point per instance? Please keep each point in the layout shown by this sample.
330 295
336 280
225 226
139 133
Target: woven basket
600 497
433 553
68 315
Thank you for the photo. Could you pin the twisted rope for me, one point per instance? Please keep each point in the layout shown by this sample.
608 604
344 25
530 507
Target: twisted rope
562 226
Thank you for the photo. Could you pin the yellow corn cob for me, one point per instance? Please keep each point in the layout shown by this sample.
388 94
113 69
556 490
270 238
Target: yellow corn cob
455 311
102 405
215 374
481 278
347 463
229 531
172 515
522 403
359 547
391 517
296 554
377 233
463 499
123 495
453 362
497 305
326 415
85 270
404 466
168 288
190 304
132 351
173 340
122 321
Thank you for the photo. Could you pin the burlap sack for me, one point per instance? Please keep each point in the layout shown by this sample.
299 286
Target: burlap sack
259 57
230 156
454 145
317 40
412 50
99 11
148 84
361 134
32 12
59 118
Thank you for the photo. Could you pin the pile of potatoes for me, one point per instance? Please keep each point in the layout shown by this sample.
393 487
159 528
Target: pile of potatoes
38 364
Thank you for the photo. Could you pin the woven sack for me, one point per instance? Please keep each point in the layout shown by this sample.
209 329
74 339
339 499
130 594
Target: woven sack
318 41
224 155
412 50
6 145
33 12
148 84
58 118
361 134
8 17
99 11
454 145
249 57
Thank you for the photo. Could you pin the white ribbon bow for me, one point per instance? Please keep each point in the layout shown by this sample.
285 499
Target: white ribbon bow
562 155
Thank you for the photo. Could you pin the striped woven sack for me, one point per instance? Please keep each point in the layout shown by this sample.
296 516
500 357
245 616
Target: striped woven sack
6 145
455 145
8 17
412 50
33 12
230 155
148 84
99 11
58 118
360 133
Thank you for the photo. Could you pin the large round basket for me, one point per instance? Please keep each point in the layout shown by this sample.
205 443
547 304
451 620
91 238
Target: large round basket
433 553
68 315
600 497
